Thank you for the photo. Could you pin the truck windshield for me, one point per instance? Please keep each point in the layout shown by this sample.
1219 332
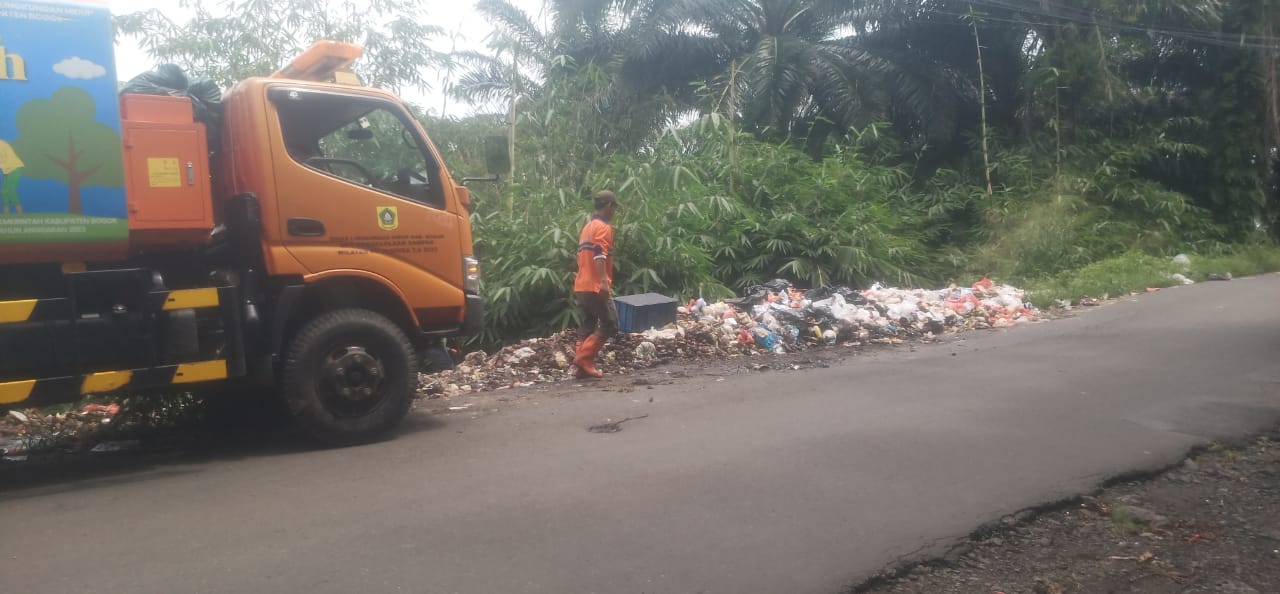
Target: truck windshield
362 140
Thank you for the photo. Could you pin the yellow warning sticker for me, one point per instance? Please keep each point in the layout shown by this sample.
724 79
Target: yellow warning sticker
164 173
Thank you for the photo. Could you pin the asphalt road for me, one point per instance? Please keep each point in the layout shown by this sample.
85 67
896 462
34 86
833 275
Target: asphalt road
779 482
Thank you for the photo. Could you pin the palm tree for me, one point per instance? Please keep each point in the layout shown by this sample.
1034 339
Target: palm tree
765 62
799 69
563 77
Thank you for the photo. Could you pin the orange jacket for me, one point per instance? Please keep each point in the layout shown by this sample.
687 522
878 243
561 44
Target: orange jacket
595 243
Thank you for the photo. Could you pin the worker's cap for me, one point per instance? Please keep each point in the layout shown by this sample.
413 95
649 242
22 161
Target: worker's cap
605 198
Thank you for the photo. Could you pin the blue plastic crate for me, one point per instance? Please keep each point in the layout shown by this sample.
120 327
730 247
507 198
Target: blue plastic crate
637 313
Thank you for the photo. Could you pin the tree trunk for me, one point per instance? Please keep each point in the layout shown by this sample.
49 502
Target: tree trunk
1271 90
733 132
74 177
511 134
982 101
1057 135
1271 87
73 197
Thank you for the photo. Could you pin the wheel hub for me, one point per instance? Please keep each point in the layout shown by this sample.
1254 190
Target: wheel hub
354 374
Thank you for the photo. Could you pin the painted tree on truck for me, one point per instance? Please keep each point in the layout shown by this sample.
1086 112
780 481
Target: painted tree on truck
60 139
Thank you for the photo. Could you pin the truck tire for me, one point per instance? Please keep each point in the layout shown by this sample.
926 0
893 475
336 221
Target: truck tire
350 377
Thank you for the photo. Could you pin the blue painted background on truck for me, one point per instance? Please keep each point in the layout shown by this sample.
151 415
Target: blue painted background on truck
59 112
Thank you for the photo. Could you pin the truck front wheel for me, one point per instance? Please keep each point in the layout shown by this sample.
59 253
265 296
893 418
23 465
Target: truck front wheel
350 377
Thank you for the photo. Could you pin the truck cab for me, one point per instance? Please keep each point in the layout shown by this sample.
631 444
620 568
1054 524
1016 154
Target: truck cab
353 199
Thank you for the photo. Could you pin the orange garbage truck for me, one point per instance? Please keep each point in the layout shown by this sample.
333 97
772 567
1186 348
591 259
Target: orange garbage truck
314 249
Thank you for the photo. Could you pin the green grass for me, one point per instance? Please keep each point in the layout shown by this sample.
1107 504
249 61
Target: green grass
1245 261
1136 272
1107 278
1125 524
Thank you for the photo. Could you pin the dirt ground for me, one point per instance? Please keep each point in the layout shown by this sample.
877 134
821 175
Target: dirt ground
1211 525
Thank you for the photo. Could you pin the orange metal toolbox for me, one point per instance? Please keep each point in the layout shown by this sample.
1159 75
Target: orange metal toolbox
166 171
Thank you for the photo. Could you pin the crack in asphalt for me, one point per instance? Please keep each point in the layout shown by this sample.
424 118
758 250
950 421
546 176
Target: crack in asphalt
613 427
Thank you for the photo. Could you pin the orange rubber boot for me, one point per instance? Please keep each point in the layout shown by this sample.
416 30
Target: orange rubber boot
585 358
577 348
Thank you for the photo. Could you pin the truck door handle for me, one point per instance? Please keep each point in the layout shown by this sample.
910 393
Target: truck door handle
305 227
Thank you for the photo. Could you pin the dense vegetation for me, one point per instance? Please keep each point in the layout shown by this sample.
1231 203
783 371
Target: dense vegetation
828 141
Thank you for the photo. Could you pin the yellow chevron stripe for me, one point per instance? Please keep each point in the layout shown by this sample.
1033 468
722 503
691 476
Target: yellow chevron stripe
105 382
191 299
16 311
14 392
189 373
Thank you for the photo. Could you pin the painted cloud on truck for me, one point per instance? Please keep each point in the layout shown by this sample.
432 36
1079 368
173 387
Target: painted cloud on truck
80 68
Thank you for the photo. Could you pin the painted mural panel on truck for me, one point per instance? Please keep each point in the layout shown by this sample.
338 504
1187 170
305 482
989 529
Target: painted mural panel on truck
61 164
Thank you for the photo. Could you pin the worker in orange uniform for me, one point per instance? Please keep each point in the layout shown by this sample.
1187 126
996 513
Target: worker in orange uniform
593 288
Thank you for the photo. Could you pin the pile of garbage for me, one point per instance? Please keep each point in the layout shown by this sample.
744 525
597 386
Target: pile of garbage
97 424
541 360
784 319
774 317
24 431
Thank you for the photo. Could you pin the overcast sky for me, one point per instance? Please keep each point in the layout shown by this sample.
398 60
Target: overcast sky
451 15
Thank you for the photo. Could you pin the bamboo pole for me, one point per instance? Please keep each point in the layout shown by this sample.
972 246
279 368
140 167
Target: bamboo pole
732 110
1057 133
982 101
511 135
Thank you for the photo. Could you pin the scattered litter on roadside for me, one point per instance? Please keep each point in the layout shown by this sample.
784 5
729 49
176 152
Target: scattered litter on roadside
27 430
772 318
15 447
109 410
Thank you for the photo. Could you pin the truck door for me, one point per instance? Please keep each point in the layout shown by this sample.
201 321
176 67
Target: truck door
361 191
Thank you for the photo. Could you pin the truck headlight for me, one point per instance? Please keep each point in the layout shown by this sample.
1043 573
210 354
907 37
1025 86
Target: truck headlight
471 275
